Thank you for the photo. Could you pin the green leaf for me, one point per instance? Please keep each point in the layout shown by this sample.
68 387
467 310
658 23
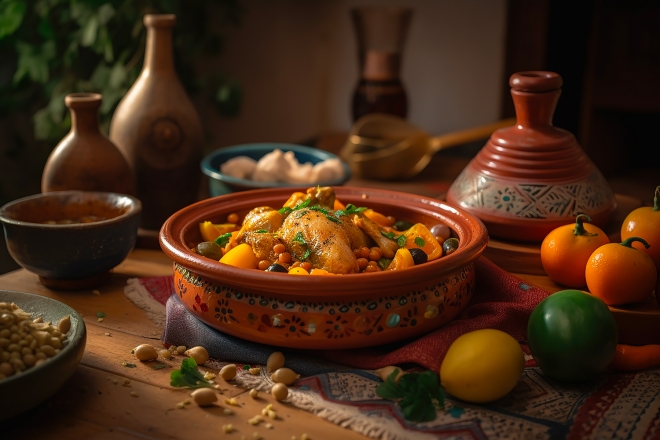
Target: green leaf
299 238
88 36
11 16
105 12
417 394
390 389
285 210
223 239
100 315
383 263
45 29
188 376
389 235
117 75
306 255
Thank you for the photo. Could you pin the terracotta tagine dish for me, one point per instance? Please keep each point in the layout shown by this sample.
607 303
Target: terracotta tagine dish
324 311
532 177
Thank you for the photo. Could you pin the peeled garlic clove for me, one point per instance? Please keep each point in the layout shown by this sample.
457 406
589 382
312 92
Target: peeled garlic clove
198 353
146 352
204 396
275 361
228 372
284 375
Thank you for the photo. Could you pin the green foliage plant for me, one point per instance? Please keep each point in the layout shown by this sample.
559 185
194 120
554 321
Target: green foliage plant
51 48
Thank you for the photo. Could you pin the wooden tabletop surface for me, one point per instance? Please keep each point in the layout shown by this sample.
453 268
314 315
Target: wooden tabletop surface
94 403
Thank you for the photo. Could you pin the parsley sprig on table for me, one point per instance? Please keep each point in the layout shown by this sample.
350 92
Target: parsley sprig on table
417 394
188 376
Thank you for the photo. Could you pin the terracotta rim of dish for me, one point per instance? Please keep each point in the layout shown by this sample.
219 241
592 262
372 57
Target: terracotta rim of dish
469 229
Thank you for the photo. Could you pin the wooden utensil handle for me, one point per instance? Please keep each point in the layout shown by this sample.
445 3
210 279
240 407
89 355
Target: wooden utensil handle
469 135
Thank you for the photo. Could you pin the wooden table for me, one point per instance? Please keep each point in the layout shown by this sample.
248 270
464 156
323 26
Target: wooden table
95 403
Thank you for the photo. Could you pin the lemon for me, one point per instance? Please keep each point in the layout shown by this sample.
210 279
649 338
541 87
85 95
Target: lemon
482 366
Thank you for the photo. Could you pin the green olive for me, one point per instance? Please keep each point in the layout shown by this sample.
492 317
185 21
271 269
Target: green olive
209 249
450 245
402 225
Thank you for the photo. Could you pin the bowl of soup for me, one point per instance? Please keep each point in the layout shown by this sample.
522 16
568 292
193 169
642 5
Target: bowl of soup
71 239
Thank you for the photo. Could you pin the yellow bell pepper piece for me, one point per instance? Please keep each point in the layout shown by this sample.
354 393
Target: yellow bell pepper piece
419 236
241 256
212 231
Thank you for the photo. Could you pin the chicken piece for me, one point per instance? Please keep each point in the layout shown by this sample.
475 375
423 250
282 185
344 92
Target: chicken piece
262 244
387 246
322 195
358 238
326 244
262 218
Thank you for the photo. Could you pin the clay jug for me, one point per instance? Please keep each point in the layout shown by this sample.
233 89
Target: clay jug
158 130
532 177
85 159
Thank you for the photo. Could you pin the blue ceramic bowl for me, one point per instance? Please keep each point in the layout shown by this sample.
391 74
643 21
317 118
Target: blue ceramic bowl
220 184
76 255
37 384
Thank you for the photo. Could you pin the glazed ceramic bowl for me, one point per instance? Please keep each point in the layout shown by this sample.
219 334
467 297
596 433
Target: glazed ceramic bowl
71 255
220 183
322 312
34 385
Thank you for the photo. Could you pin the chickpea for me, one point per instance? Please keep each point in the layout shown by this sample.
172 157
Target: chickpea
279 248
198 353
279 391
264 264
284 257
232 218
145 352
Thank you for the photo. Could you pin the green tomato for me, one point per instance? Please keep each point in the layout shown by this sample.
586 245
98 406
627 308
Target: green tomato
572 335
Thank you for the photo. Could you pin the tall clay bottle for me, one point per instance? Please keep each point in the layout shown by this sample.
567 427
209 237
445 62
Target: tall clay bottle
159 131
85 159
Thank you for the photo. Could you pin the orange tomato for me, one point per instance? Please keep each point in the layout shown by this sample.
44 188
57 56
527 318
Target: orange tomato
645 222
620 274
566 250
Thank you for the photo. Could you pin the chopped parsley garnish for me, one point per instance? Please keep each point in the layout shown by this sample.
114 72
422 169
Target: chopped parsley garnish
400 240
417 394
419 241
100 315
350 209
299 238
306 254
188 376
285 210
261 231
223 239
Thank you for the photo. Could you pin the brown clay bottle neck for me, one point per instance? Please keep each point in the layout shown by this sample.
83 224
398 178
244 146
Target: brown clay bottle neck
535 94
158 56
84 109
534 109
381 66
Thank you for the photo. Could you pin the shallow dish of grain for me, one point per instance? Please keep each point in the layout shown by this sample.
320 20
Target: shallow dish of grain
36 383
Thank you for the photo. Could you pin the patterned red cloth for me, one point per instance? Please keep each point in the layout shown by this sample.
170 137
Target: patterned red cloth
500 301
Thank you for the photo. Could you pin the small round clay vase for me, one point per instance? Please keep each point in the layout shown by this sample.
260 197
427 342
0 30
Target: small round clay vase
85 159
159 131
532 177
